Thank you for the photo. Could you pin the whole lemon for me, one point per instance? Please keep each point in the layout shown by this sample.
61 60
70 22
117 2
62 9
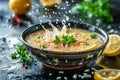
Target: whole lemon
20 7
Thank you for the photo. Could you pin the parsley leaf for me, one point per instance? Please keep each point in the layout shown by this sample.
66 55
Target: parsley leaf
68 39
14 55
43 46
85 43
40 36
93 36
24 56
57 40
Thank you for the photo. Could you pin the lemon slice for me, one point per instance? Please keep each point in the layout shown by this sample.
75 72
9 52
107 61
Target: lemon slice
107 74
89 48
113 46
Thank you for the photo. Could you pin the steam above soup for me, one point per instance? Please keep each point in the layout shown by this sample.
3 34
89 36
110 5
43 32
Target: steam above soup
64 39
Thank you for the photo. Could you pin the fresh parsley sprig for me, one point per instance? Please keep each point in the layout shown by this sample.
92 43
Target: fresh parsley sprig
14 55
43 46
93 36
66 39
85 43
23 55
57 40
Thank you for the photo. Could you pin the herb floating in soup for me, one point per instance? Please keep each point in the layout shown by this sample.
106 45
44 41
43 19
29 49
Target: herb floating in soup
64 39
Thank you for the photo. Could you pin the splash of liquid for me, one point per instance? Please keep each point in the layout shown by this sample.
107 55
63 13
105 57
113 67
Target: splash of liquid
50 35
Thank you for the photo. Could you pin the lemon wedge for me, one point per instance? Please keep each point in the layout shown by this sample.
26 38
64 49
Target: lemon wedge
113 46
89 48
107 74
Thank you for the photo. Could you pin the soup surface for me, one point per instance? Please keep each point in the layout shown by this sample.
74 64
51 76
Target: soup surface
65 40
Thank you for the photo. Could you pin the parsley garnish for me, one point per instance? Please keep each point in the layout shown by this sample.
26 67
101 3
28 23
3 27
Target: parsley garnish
93 36
57 40
25 58
43 46
85 43
40 36
66 39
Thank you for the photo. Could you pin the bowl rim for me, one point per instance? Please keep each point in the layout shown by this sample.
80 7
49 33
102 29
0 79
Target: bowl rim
67 53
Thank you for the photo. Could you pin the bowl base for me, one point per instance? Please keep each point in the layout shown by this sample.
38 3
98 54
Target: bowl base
64 68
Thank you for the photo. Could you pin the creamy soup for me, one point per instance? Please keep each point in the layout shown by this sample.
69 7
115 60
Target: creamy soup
65 40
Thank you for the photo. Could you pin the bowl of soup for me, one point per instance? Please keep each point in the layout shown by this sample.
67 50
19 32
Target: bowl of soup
64 45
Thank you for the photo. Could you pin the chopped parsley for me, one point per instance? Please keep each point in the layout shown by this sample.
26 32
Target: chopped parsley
93 36
23 55
14 55
43 46
66 39
85 43
40 36
57 40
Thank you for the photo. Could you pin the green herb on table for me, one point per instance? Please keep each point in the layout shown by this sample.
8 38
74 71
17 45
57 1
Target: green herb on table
93 36
98 9
14 55
24 57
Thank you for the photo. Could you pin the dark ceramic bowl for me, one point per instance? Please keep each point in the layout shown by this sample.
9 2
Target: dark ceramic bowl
65 60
